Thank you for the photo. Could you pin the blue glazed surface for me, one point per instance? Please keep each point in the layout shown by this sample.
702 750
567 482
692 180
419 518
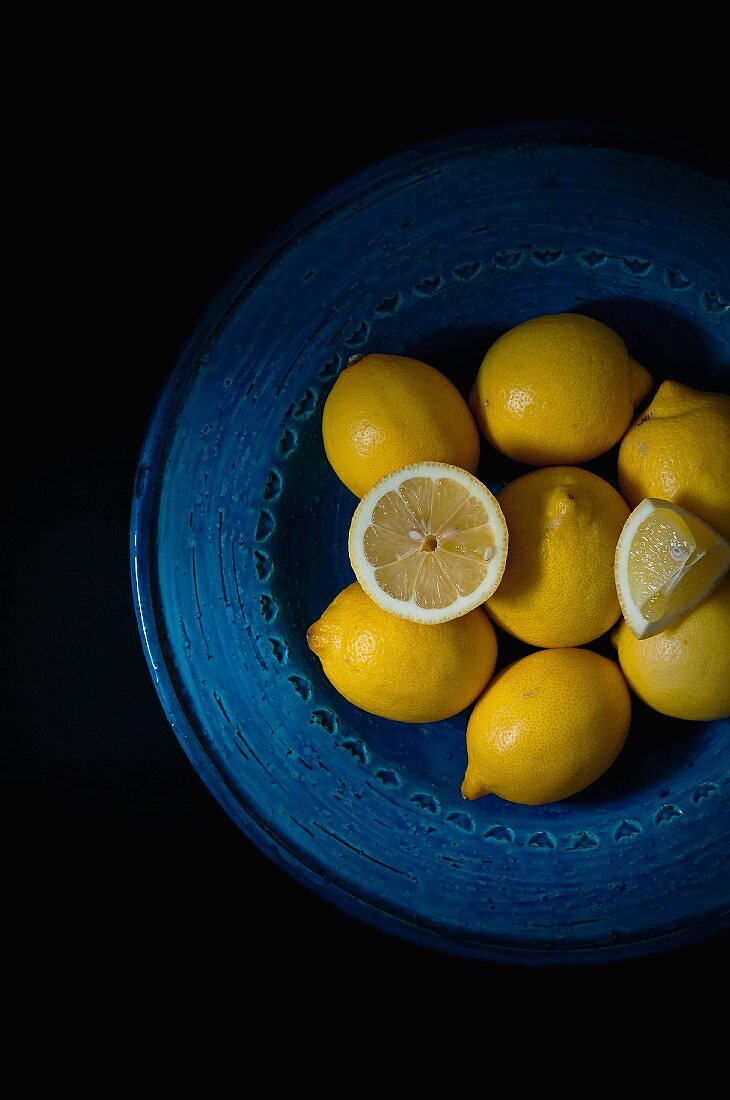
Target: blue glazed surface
239 542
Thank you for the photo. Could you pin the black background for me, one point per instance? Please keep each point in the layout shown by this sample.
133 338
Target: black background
117 846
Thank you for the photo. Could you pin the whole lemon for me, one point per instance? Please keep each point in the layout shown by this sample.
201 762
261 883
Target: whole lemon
398 669
546 727
684 671
679 450
387 411
557 389
558 587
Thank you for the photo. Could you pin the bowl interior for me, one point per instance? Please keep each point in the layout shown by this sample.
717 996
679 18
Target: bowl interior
242 542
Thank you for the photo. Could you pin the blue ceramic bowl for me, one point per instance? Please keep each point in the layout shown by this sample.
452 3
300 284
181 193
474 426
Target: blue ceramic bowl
240 531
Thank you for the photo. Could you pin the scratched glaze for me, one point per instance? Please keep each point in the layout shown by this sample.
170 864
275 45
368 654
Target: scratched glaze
239 542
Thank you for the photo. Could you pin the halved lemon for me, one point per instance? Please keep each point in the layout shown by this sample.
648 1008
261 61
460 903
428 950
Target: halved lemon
428 542
667 561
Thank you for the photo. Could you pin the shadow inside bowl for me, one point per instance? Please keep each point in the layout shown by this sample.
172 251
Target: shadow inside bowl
664 339
657 752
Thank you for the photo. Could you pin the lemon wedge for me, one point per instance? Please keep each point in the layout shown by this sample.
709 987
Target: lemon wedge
428 542
667 561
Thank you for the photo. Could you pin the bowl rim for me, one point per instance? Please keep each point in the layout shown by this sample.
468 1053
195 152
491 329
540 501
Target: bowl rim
145 495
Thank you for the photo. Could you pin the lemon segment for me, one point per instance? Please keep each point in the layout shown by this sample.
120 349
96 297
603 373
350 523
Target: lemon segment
428 543
667 561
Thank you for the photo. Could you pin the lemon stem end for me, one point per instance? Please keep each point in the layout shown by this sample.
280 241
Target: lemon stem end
472 788
640 382
315 639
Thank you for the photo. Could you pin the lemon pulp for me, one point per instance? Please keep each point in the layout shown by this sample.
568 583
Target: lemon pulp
667 561
428 542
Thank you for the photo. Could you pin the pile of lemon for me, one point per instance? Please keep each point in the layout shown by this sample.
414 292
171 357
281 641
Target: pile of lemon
555 559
